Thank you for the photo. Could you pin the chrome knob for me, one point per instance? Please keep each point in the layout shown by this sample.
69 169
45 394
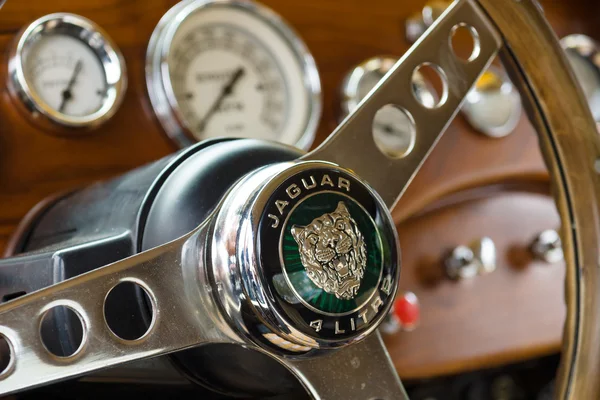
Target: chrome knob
484 251
547 246
466 262
460 264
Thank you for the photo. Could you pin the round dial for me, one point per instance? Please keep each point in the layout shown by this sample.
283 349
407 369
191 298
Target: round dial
226 82
231 69
66 75
66 71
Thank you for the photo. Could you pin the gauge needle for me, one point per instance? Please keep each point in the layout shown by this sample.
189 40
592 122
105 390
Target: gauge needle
226 91
387 128
66 94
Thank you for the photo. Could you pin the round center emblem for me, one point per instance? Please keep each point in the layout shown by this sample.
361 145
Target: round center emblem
328 251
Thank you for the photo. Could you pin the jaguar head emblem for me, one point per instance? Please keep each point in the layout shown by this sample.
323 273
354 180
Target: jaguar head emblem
333 252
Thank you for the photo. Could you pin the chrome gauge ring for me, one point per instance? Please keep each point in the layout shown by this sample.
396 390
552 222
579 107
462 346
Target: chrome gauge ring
231 68
493 107
65 72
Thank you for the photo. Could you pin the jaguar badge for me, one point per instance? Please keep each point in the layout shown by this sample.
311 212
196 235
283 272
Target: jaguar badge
333 251
335 270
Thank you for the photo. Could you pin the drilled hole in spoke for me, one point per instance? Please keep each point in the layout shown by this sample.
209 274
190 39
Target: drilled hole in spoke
394 131
431 78
62 331
6 355
464 41
128 311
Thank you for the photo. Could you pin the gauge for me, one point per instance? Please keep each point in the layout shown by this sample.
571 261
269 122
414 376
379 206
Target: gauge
584 57
66 72
392 129
231 68
493 106
416 24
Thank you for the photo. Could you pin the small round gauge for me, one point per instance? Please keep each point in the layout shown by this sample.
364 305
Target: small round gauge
493 106
584 55
66 72
231 68
392 129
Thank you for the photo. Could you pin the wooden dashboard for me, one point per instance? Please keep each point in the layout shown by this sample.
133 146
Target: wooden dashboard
514 313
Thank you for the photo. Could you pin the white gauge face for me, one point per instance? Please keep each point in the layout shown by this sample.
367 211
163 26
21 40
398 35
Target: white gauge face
66 72
66 75
231 69
227 83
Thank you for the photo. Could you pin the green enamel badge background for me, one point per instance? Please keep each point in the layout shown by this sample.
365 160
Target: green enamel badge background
314 207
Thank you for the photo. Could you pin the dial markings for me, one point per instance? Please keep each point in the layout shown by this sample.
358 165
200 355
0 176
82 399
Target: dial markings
227 83
277 98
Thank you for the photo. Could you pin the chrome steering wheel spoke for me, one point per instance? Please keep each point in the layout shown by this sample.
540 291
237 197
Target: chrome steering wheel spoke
352 144
368 362
183 315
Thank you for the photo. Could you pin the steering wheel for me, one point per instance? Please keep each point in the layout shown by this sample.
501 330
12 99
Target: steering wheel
299 259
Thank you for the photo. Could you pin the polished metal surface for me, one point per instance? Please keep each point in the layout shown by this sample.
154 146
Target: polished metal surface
184 315
484 250
465 262
99 43
363 371
365 76
547 247
414 27
393 129
418 23
583 53
158 79
494 106
390 177
241 278
460 263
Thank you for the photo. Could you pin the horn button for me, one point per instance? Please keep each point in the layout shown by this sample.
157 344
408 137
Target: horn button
315 259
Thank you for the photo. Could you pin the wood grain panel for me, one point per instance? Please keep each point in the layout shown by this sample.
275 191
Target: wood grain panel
513 313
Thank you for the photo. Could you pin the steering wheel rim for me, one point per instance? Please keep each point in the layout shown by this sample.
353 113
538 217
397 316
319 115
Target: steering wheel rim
569 144
568 139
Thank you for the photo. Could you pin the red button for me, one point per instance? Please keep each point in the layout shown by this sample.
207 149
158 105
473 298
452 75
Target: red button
407 310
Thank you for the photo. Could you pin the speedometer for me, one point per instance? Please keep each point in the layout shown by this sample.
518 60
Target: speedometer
231 68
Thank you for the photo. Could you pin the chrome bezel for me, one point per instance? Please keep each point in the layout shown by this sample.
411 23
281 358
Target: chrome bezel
584 47
349 90
508 89
237 268
98 41
158 80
